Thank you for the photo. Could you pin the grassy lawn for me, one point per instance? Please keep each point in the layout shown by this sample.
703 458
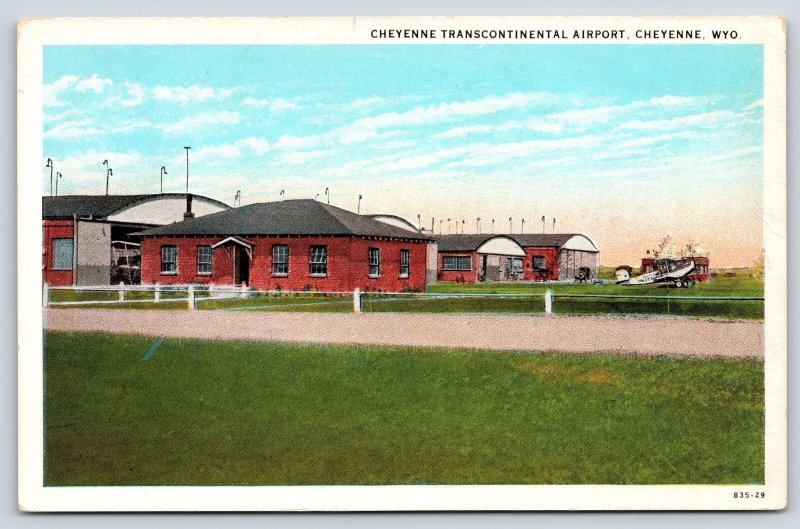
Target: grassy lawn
233 413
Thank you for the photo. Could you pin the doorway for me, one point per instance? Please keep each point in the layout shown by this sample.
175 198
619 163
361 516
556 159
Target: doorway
241 265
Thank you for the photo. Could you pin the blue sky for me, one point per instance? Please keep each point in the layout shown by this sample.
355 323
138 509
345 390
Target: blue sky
625 143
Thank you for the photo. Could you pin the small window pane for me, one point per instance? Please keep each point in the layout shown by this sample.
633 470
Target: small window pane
169 259
280 259
319 260
457 263
405 261
204 259
538 262
374 262
62 254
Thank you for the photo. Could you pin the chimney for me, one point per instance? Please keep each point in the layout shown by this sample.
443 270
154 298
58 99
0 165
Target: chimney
188 214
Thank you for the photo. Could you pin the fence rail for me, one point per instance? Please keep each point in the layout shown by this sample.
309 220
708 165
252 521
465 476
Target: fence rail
229 297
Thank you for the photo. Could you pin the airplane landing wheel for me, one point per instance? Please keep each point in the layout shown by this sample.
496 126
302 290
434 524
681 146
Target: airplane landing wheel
678 284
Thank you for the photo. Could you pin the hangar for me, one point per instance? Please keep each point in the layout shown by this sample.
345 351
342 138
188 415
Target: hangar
558 256
288 245
87 238
510 257
474 258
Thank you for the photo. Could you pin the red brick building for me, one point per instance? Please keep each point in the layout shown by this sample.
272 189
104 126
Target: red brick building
287 245
86 238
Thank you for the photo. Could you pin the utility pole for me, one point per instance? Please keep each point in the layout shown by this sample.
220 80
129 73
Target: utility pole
187 168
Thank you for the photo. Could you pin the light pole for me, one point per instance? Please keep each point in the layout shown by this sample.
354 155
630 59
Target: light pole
105 162
433 224
359 204
492 225
419 220
448 226
187 168
328 195
50 165
163 172
282 193
510 226
58 175
542 223
463 222
523 226
554 224
440 226
108 174
316 196
478 225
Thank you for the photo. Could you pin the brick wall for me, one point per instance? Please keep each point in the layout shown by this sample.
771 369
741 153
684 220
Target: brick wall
460 276
550 255
348 263
55 229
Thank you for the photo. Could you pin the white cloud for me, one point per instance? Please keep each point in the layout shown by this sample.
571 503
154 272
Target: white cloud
71 129
94 83
201 121
190 94
704 120
460 132
650 140
758 103
739 153
51 91
296 158
274 104
135 95
672 101
257 145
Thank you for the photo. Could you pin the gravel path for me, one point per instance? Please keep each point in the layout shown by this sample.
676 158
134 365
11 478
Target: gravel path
570 334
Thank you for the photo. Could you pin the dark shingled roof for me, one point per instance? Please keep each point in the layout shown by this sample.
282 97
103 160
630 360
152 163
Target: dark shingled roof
287 217
548 240
470 242
464 242
99 206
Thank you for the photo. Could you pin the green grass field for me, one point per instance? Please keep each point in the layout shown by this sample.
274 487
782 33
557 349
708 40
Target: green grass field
521 298
232 413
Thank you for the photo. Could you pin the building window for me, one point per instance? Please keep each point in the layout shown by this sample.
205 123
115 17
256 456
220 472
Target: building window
457 263
319 260
405 261
539 263
374 262
280 260
62 254
169 259
204 260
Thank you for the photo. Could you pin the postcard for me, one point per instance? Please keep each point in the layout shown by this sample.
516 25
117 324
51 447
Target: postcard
402 264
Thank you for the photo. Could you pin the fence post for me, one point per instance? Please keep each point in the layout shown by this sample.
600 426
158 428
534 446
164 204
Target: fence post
191 296
548 301
244 293
157 292
121 291
356 301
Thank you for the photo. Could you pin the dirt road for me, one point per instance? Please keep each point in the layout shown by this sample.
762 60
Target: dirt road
571 334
